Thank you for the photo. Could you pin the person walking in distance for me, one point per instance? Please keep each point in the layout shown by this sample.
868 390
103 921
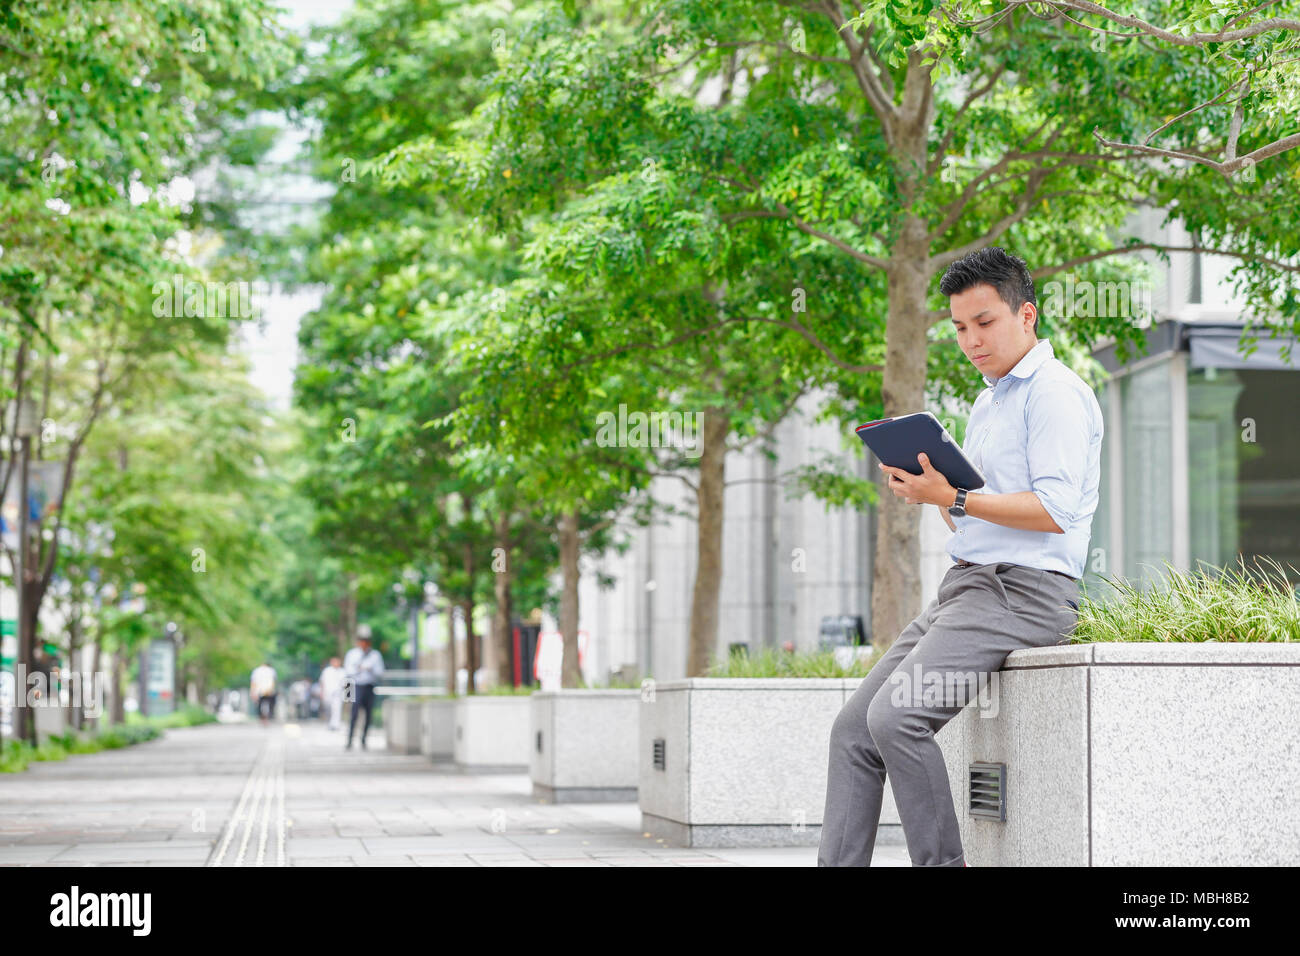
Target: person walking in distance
261 687
331 692
1018 547
364 666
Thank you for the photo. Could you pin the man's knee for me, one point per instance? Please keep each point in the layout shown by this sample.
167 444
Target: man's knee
889 719
844 731
850 726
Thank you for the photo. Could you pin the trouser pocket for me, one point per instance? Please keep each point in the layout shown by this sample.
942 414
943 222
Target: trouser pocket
1017 585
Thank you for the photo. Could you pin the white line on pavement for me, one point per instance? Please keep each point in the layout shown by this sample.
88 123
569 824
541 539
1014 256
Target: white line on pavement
261 800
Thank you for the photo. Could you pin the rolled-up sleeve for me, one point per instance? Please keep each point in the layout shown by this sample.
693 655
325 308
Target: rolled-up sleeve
1059 435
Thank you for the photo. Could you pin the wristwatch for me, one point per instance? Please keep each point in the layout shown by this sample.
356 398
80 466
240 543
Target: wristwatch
958 508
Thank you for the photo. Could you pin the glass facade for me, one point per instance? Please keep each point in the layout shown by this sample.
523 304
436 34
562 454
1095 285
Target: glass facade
1242 474
1243 467
1146 437
1101 561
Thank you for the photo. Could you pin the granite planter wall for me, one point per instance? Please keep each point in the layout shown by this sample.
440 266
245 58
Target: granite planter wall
727 762
438 728
584 745
1137 754
48 721
492 732
401 725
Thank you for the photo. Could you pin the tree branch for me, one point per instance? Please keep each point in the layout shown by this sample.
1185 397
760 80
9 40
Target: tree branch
1160 247
1228 167
1142 26
942 148
816 343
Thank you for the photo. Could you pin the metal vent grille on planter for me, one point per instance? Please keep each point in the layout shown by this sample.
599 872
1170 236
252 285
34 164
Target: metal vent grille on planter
659 756
988 790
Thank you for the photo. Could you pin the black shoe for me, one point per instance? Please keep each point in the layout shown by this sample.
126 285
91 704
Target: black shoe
349 746
363 743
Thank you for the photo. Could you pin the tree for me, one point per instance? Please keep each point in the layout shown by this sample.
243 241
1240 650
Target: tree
99 102
897 139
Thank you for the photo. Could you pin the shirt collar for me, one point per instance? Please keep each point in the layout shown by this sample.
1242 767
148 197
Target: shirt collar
1029 362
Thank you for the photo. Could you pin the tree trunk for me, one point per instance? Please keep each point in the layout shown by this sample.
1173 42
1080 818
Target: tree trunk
896 580
708 565
570 671
30 614
451 651
73 716
119 677
501 616
896 583
98 685
348 614
471 652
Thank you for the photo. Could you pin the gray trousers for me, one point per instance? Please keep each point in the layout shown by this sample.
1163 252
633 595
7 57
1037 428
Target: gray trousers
982 614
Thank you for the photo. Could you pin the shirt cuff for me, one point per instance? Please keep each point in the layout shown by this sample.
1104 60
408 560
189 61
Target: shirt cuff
1055 511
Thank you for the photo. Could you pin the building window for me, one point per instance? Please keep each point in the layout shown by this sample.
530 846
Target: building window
1101 561
1244 493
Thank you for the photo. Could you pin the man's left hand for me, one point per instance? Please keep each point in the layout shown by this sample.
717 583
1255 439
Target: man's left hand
927 488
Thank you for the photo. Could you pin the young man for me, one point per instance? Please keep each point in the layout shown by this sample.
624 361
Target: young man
364 667
1019 543
261 687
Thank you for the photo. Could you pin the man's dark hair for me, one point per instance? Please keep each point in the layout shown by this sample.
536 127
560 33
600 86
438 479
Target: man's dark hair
997 267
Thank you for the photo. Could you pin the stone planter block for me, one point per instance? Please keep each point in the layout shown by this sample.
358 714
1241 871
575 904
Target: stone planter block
744 761
438 728
584 745
492 732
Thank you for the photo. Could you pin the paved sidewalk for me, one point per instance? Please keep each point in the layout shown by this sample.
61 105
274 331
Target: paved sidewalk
288 794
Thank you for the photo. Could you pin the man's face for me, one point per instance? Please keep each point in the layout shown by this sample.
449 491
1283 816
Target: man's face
364 644
992 336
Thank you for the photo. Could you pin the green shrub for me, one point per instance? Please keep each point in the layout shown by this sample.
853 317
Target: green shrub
615 684
84 745
1229 606
14 756
17 754
113 738
498 690
51 749
187 715
771 663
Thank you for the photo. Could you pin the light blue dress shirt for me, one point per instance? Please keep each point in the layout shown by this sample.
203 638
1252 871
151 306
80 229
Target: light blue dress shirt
364 668
1039 429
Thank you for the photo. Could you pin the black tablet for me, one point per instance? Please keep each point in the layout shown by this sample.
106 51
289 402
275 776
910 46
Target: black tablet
897 442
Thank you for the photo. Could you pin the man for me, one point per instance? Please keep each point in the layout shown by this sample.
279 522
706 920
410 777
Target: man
364 667
261 687
1019 542
331 691
301 693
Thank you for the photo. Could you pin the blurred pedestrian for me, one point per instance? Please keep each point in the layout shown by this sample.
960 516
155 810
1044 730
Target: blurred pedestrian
331 692
299 691
364 666
262 688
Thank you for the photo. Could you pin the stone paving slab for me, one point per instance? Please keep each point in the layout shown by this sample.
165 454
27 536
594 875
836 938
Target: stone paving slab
291 793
